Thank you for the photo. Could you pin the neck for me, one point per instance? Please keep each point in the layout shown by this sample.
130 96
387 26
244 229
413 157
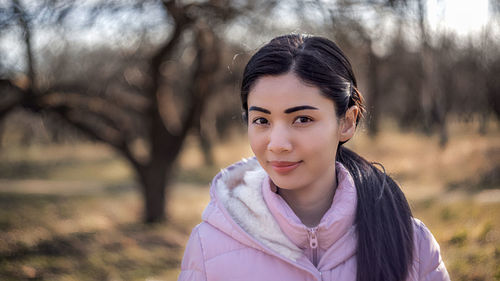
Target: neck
310 204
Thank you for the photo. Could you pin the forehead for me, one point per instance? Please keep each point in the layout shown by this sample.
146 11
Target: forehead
285 91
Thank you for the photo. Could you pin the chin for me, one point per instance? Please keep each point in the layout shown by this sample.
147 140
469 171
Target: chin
285 182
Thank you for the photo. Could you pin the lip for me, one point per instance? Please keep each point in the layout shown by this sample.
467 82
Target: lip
284 167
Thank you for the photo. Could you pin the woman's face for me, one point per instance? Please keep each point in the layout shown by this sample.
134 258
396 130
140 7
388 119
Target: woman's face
294 132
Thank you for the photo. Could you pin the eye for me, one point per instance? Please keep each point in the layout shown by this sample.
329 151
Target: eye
302 120
260 121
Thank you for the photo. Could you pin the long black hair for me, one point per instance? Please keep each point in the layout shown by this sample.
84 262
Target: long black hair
384 224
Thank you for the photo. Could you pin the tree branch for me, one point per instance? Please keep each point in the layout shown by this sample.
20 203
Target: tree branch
6 85
74 95
207 62
181 21
160 137
25 24
65 113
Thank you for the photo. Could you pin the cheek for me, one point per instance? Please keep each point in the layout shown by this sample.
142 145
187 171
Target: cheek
256 142
322 143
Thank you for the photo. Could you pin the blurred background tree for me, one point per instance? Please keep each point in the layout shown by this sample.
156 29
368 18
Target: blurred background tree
135 90
141 76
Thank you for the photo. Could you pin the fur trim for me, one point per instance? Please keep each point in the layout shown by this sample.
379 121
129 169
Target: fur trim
240 191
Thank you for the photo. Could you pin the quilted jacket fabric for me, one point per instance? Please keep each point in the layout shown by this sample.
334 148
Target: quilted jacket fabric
250 233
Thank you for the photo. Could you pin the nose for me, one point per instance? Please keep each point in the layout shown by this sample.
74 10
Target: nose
279 140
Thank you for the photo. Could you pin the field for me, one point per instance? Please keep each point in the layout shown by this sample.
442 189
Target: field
72 212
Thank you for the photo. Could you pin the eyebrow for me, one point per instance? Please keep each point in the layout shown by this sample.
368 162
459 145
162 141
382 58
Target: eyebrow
256 108
287 111
300 107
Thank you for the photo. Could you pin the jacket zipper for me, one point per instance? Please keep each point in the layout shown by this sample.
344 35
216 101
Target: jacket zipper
313 243
226 214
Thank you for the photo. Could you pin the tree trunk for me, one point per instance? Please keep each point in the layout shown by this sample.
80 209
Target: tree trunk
206 148
443 131
374 90
483 122
424 62
493 87
205 144
154 182
2 130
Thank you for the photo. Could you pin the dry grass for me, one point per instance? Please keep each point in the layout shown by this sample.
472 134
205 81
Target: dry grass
92 237
57 224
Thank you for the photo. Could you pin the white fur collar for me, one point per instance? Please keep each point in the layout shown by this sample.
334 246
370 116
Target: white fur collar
239 188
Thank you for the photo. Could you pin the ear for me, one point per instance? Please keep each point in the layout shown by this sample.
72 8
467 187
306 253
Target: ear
348 124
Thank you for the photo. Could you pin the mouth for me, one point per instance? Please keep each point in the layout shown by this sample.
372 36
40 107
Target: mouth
284 167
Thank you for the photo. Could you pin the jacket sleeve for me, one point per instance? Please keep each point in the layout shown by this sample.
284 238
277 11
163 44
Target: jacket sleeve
193 262
431 267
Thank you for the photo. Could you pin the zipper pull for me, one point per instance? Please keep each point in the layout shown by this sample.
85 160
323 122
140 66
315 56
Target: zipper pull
313 239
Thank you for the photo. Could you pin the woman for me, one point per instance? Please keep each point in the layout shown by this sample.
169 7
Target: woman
306 208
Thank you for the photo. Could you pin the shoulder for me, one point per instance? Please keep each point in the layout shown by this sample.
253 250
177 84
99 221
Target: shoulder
215 242
205 243
427 246
423 234
427 255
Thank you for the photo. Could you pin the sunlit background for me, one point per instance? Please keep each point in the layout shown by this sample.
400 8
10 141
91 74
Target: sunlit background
115 115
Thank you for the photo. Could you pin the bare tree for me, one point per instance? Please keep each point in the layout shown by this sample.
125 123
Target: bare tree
347 22
134 119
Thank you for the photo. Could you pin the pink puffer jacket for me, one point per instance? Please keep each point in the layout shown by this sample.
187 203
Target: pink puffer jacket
250 233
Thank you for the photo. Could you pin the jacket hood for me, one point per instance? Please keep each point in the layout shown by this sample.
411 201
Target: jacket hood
237 208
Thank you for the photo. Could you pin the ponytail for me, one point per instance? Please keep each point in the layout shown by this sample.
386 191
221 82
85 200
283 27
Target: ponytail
383 222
